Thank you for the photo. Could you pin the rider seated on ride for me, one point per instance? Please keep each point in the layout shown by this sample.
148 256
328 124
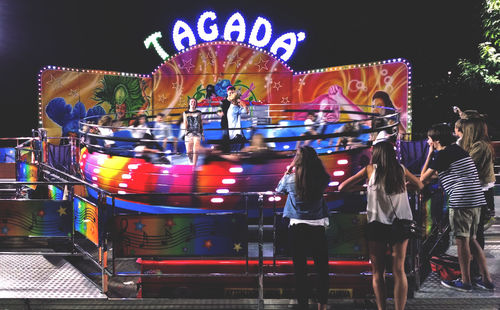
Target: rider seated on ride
351 137
148 150
311 128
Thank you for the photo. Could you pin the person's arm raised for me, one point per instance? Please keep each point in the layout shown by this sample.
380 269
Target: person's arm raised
355 179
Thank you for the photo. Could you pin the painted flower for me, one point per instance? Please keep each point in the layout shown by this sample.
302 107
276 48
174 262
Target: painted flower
221 88
67 117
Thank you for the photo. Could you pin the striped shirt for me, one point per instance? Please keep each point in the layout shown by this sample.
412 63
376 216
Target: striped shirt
459 178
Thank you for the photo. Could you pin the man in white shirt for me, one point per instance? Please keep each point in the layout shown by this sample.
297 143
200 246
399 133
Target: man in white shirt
234 112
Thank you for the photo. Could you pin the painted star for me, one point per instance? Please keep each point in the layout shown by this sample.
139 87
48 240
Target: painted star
238 61
302 81
139 226
264 64
162 98
208 244
285 100
230 59
277 85
237 247
234 59
5 230
62 211
55 82
74 93
187 65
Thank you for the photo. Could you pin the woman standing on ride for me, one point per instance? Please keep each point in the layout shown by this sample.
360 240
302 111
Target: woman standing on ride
305 181
386 197
193 130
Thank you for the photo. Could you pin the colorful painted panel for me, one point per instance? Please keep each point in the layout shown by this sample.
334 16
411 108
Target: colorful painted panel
345 236
180 235
35 218
206 70
7 155
55 193
26 172
68 96
351 88
86 219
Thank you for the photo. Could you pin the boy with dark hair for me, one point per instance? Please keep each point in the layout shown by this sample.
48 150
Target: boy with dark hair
459 178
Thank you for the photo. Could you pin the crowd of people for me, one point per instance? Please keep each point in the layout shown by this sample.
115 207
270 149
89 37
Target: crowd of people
462 162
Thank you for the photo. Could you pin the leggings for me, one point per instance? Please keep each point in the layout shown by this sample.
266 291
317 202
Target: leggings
307 239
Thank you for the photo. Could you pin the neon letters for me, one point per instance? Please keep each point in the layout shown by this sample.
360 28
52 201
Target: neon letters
235 28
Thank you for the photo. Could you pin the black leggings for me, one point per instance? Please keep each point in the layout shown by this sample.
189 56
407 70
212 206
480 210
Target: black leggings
306 239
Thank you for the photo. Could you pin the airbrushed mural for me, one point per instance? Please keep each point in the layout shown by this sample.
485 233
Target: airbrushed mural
204 71
68 96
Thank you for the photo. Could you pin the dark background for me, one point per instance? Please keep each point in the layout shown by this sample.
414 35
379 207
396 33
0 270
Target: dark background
109 35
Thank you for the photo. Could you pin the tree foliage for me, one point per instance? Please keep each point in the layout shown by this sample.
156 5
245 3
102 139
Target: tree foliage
488 68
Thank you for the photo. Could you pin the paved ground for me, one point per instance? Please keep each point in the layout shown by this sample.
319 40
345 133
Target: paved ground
45 282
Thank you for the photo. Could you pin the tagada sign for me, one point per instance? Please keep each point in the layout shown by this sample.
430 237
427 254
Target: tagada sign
235 29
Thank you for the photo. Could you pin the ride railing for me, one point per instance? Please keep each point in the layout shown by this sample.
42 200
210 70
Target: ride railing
71 214
124 138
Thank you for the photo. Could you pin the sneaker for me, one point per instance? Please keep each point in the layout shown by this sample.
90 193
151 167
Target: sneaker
457 285
485 285
489 223
475 279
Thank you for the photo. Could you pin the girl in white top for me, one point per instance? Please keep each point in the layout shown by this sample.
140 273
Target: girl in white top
384 208
386 196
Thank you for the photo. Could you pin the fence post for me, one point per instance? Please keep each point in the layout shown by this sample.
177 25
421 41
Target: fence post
260 206
103 245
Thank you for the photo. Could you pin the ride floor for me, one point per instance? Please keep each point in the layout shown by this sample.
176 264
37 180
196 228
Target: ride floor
49 282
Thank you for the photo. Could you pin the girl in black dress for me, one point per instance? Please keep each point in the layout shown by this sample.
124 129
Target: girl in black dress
194 131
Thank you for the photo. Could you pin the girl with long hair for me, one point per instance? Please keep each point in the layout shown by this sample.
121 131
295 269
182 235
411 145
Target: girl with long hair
193 125
476 142
305 181
386 198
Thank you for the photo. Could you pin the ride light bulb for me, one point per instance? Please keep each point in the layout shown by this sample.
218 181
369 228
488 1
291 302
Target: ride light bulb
236 169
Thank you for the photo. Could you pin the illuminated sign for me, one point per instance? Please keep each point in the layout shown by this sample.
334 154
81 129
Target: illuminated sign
235 28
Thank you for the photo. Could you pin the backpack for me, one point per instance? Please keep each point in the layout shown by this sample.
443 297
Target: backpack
446 266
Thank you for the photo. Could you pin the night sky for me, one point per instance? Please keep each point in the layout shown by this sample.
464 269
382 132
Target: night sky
109 35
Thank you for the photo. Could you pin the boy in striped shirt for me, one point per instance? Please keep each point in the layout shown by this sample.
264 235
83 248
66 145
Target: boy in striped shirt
458 176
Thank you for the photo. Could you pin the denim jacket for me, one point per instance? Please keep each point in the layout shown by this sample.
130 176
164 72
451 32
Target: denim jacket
297 209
